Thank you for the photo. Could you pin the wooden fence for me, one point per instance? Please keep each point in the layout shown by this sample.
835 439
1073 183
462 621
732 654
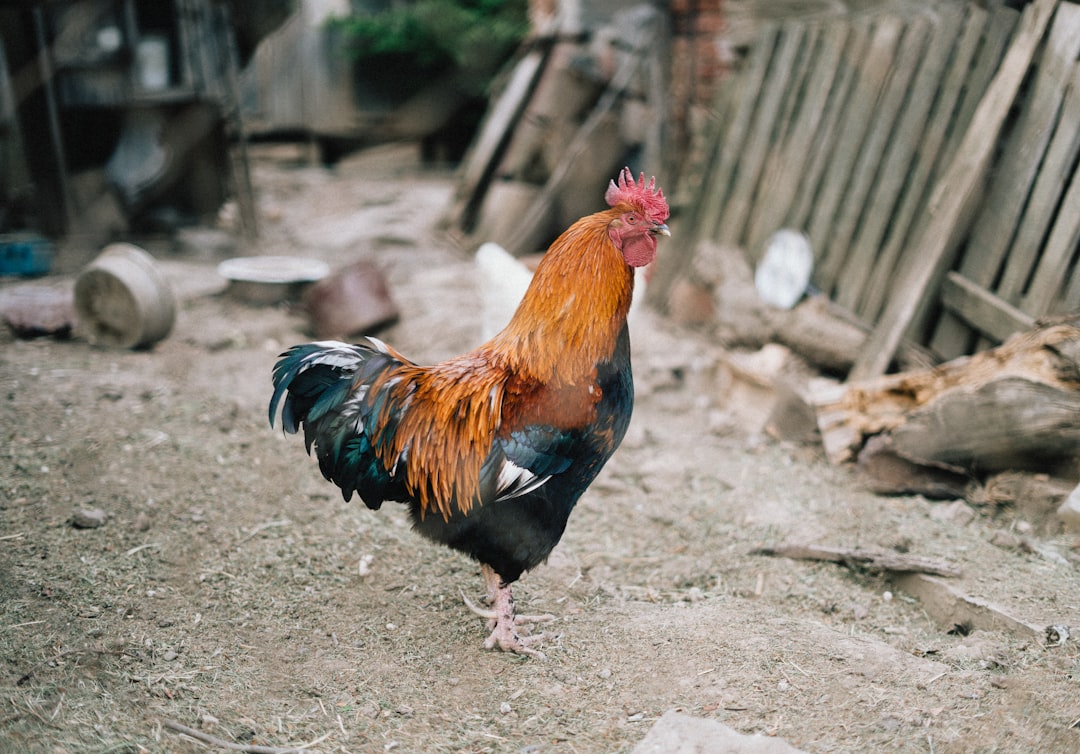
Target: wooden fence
930 155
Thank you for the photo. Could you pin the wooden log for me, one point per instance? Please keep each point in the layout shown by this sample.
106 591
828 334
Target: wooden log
884 470
814 330
1016 406
1008 423
831 338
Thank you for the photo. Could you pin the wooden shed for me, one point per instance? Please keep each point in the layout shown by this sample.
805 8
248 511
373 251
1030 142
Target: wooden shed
116 112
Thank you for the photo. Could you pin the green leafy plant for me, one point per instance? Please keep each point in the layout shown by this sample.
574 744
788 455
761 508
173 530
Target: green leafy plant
413 41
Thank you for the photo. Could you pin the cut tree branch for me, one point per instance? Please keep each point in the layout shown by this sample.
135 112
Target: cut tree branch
206 738
862 559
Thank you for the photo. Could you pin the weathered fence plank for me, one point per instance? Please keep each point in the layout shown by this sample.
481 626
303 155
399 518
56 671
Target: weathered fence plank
1046 219
1042 205
718 184
878 176
952 198
1060 255
996 225
981 309
827 137
788 161
752 160
961 78
913 147
859 115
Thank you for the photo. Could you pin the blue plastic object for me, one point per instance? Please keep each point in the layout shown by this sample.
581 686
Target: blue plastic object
25 254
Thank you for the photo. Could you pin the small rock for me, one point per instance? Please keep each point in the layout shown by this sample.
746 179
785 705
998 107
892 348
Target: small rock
170 655
88 518
604 673
677 733
957 512
1069 512
505 708
890 723
1005 539
208 721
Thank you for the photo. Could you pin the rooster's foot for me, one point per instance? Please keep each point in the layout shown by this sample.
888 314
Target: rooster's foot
492 617
503 619
508 640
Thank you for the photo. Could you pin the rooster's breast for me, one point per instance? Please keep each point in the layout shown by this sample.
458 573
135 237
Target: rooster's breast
551 449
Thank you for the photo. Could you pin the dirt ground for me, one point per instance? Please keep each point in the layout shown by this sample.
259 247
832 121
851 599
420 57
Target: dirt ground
230 588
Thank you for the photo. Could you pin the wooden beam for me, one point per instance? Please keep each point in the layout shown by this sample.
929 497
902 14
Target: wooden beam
992 316
953 195
494 136
950 607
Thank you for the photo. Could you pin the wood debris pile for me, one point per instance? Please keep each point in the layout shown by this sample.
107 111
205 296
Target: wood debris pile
575 108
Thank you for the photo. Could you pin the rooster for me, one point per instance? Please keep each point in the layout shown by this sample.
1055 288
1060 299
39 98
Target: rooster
491 450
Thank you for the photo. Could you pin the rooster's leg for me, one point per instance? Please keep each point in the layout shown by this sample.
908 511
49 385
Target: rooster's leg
503 620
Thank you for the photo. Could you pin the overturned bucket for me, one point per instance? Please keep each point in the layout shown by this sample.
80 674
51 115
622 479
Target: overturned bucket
123 299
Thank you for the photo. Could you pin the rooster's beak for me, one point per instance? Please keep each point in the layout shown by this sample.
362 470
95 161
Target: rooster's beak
661 229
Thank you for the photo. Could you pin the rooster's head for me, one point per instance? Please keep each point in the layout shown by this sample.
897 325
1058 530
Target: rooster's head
642 216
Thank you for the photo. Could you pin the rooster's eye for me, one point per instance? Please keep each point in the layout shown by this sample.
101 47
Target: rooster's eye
631 218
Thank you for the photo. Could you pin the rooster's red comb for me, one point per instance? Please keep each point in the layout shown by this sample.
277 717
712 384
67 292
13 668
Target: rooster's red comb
645 196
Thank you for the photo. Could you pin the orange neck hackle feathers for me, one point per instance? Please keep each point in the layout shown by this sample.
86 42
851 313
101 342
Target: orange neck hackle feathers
580 294
542 365
573 309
